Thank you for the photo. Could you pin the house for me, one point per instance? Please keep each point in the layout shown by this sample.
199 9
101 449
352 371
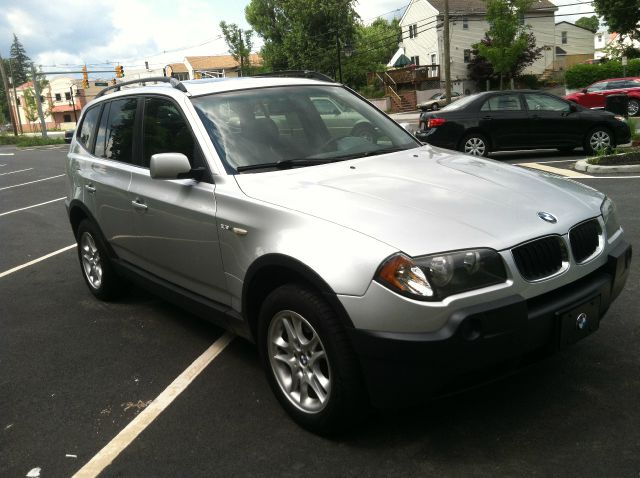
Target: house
574 45
196 67
62 100
607 43
422 27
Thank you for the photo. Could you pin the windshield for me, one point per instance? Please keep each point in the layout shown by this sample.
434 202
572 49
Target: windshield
436 96
291 126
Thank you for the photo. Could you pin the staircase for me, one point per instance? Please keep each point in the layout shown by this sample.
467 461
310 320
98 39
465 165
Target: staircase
402 102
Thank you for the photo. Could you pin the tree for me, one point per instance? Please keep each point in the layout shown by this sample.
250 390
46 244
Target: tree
20 62
481 69
590 23
509 38
621 16
302 34
374 45
239 43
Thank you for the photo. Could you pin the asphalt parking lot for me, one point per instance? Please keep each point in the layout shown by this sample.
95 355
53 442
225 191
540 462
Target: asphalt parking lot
75 372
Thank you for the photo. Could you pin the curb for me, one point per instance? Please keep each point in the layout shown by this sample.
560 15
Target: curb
582 165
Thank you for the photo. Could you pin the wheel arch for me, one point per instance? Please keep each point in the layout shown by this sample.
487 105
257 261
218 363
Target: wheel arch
476 130
79 212
274 270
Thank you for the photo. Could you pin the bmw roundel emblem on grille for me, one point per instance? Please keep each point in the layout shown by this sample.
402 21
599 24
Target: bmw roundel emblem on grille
545 216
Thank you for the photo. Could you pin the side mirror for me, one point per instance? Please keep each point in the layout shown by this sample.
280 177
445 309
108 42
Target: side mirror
572 108
583 90
169 166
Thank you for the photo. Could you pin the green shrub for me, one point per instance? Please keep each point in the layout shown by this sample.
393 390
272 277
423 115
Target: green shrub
24 141
582 75
8 139
371 91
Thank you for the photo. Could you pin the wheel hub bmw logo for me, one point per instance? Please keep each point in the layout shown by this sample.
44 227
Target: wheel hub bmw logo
545 216
582 321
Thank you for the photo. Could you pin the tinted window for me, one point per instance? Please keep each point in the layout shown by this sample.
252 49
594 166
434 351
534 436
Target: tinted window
166 131
632 84
536 102
119 130
325 107
616 85
502 103
88 128
597 87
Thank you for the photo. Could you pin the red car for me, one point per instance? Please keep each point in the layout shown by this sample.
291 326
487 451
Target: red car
594 96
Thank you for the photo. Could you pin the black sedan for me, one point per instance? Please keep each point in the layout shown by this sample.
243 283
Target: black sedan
523 119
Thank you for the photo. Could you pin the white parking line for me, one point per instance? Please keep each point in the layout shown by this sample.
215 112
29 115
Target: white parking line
18 171
7 154
31 182
559 171
123 439
35 261
29 207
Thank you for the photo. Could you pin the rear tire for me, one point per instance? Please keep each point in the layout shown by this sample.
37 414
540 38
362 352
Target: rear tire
475 144
598 139
435 107
634 108
97 270
308 360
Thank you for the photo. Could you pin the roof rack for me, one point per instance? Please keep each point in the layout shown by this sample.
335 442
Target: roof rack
143 81
296 74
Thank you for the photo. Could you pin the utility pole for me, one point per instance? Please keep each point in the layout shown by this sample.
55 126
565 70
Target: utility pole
6 91
241 55
338 53
447 47
73 102
36 88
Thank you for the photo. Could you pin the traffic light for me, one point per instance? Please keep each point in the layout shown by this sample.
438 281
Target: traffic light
119 71
85 77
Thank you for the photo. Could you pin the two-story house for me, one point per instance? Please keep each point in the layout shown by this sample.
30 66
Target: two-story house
422 26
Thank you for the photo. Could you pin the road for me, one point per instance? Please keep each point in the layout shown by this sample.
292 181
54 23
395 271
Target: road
74 372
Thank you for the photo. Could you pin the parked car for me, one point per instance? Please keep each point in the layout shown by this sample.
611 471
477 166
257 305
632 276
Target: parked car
522 119
438 100
367 270
595 95
68 135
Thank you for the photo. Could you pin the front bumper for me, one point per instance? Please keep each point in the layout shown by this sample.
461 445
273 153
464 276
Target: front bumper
487 340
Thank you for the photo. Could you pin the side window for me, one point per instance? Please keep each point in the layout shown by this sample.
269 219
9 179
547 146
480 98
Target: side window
88 128
597 87
324 106
119 130
502 103
537 102
101 136
166 131
616 85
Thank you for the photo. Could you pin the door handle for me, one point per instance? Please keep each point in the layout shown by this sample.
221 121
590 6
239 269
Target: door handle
90 188
137 204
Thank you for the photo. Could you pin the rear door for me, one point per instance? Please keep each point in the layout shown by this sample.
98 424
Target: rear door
176 231
504 118
594 96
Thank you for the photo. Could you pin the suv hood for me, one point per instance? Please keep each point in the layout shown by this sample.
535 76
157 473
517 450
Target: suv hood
428 200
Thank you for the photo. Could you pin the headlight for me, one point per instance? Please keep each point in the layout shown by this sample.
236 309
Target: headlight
620 118
610 216
437 276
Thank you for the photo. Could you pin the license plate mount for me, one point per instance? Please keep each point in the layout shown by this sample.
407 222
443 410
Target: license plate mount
578 322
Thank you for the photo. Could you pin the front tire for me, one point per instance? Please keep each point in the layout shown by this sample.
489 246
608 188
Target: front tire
308 360
597 140
435 107
97 270
475 144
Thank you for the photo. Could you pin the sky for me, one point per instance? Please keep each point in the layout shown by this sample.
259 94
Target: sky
64 34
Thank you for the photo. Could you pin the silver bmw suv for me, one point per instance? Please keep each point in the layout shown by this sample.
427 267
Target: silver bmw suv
367 267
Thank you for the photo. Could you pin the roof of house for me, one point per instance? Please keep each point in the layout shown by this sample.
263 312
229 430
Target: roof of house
479 6
577 26
24 86
178 67
219 62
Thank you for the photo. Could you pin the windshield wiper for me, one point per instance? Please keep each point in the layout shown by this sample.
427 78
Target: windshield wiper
288 163
374 152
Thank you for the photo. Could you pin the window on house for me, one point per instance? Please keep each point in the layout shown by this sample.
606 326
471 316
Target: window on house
563 36
413 30
67 96
600 37
66 118
467 56
18 100
521 18
58 97
433 59
465 23
415 60
41 99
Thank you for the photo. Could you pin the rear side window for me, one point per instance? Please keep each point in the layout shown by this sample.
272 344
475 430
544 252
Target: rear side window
88 128
502 103
119 130
537 102
166 131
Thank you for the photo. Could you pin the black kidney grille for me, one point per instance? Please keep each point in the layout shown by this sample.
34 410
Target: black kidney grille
584 239
540 258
